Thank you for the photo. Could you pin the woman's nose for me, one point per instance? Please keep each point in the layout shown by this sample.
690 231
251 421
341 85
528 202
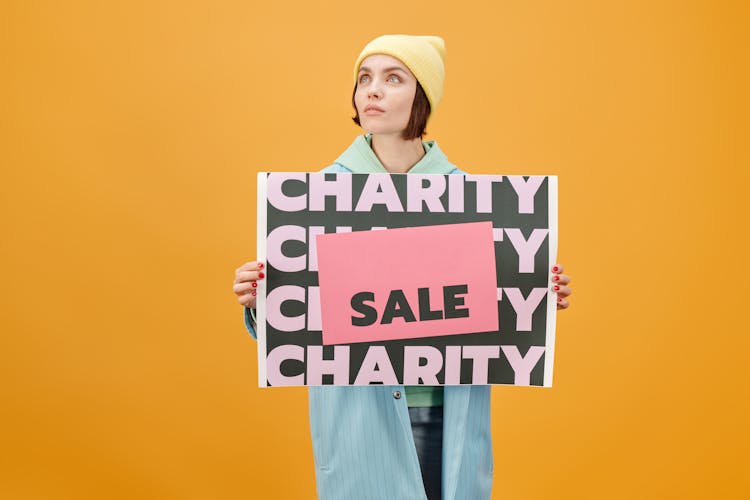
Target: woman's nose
374 91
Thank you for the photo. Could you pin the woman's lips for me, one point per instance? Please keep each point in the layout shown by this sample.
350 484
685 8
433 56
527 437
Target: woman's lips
373 111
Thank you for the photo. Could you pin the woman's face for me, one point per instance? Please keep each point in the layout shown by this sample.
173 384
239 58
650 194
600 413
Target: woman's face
385 94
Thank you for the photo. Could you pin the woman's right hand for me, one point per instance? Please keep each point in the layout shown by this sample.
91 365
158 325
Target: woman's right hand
246 282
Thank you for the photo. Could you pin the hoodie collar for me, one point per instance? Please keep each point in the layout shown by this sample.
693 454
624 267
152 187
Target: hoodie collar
361 159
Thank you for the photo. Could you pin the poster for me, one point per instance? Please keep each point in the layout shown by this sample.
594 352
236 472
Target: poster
406 279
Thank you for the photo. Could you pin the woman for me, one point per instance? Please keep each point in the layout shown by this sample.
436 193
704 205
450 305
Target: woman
396 442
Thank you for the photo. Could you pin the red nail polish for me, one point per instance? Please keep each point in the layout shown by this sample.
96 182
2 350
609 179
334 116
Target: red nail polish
252 292
556 278
555 268
260 265
261 275
254 284
559 299
556 288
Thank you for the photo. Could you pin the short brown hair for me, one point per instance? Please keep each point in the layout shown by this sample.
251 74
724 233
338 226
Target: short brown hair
420 111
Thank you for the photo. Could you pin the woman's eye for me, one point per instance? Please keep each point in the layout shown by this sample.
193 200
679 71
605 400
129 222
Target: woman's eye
391 78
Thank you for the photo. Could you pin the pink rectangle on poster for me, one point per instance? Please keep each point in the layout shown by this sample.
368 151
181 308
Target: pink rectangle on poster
442 259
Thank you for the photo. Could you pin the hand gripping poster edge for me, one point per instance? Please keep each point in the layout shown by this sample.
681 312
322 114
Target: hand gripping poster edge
549 356
260 326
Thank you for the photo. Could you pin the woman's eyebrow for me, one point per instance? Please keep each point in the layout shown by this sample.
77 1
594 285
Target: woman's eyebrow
392 68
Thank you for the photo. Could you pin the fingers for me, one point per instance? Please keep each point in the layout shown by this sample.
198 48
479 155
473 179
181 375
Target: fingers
249 271
244 287
244 276
251 266
560 279
248 299
561 290
246 282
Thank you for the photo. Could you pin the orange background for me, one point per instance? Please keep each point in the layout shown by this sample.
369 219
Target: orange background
130 135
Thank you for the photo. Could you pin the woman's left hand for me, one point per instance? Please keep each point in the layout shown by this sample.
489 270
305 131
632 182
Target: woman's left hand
559 286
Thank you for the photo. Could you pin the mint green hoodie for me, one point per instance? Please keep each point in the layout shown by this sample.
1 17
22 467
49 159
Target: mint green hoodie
359 158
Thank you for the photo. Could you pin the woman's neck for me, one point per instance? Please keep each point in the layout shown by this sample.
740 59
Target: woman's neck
396 154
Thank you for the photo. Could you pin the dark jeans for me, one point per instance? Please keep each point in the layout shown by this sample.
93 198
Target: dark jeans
427 427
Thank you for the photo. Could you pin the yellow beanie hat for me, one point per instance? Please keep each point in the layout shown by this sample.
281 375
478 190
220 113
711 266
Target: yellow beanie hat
423 55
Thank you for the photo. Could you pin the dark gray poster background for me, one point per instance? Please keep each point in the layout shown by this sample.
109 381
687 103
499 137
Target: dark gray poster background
504 215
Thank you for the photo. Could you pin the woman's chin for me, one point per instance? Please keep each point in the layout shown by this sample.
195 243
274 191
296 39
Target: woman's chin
375 130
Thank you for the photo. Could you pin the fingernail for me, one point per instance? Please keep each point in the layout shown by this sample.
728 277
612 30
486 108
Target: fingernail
559 299
260 265
255 284
555 288
555 268
261 275
556 278
252 292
